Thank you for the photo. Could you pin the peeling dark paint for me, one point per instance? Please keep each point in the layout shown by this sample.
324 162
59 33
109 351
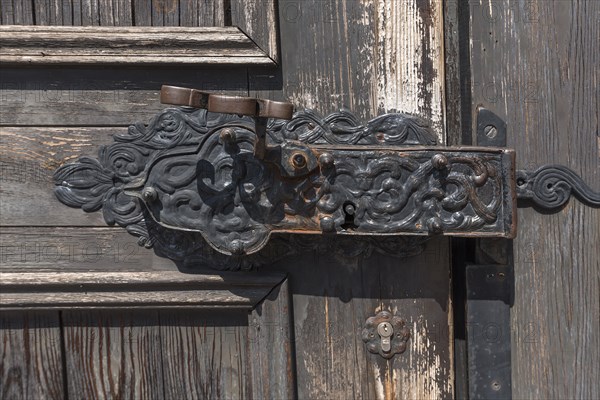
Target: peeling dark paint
425 69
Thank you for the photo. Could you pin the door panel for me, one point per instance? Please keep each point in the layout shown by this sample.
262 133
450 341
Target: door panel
371 57
304 339
30 355
132 336
332 298
536 65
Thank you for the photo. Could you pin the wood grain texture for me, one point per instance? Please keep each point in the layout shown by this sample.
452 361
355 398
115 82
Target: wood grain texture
205 355
536 65
271 347
30 356
87 290
28 159
201 13
332 298
113 354
370 56
127 46
100 97
75 249
195 13
258 19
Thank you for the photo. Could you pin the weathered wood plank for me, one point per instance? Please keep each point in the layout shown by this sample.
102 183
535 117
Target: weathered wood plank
205 354
165 13
142 12
113 355
271 347
22 12
115 12
7 12
100 97
201 13
90 13
333 295
28 159
30 356
50 12
75 249
166 289
536 65
259 20
127 45
371 57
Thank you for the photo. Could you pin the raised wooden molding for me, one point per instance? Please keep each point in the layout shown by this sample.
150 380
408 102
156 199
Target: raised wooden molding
133 290
26 44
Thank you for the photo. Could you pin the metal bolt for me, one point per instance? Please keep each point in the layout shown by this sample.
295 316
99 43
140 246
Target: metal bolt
237 247
326 160
496 386
299 161
149 194
490 131
327 224
227 135
349 209
439 161
434 225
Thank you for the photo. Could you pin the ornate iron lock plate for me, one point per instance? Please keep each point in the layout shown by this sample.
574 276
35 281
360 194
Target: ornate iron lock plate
220 172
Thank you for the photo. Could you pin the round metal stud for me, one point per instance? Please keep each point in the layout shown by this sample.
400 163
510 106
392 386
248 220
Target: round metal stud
227 136
439 161
326 160
149 194
327 224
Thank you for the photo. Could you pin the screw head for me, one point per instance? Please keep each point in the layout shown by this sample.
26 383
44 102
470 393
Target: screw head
490 131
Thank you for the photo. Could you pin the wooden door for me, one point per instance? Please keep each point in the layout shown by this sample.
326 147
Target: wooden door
536 65
106 318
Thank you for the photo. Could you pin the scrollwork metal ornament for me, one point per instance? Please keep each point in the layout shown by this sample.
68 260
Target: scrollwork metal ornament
191 185
550 187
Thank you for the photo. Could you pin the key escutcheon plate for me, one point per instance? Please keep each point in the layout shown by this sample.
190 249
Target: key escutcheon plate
385 334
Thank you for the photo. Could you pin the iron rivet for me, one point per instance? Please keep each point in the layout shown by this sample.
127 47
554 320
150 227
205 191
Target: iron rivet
434 225
237 247
149 194
326 160
439 161
327 224
227 135
349 209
